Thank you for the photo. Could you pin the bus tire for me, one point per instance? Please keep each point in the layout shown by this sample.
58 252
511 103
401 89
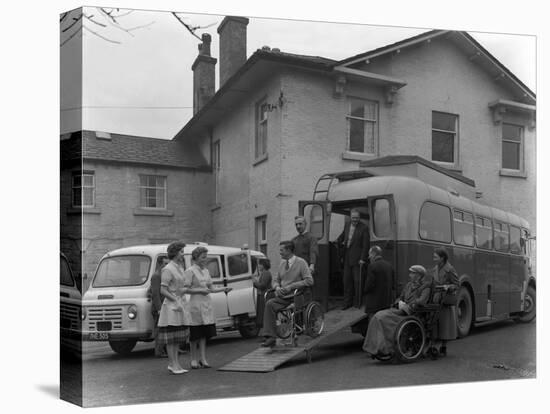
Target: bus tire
464 312
530 310
123 347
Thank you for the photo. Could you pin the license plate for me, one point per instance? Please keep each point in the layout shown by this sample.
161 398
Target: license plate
98 336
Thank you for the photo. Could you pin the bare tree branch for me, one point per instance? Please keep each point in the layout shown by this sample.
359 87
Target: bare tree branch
76 19
114 23
191 30
63 16
124 14
94 21
77 31
98 35
108 14
141 27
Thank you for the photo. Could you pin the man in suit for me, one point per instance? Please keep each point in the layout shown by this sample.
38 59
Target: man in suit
293 274
356 241
305 244
378 283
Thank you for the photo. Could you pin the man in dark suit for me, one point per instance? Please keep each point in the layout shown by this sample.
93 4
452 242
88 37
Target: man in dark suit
378 283
356 241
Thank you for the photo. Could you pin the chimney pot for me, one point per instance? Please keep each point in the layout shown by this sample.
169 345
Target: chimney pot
266 48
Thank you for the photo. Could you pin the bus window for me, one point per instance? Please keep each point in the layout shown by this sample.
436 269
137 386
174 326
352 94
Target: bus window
502 232
314 215
435 222
381 218
463 228
515 240
484 233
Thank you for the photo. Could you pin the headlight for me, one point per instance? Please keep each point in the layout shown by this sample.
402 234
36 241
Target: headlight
132 312
82 312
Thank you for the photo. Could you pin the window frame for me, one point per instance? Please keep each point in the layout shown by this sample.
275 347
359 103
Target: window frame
82 174
260 236
450 222
521 147
216 168
463 222
261 125
143 188
456 154
492 239
507 250
375 122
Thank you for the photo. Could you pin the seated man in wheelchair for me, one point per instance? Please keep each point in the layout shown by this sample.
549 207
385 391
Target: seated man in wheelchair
293 273
380 338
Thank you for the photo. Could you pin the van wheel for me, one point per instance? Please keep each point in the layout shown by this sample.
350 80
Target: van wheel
248 329
530 310
464 312
123 347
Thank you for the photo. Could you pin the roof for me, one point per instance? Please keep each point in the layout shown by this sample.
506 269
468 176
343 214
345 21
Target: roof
409 159
234 86
119 148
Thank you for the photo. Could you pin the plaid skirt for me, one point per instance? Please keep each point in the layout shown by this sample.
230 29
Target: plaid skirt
171 335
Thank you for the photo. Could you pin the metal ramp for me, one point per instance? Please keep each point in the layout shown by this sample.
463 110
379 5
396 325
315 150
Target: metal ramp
268 359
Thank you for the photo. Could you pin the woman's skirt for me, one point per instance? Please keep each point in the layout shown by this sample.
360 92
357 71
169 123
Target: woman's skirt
447 329
381 332
172 335
201 331
260 305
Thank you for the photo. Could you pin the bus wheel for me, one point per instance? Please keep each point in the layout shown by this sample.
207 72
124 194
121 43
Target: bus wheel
464 311
123 347
530 309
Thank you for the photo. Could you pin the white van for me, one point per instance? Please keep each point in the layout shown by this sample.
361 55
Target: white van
117 307
69 308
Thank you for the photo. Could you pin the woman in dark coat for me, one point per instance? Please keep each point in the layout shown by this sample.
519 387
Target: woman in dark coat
262 282
445 274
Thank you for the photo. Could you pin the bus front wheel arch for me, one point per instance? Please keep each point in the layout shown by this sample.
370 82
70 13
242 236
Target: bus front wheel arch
530 310
464 311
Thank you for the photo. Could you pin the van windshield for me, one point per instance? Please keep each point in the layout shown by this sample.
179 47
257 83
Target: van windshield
66 276
122 271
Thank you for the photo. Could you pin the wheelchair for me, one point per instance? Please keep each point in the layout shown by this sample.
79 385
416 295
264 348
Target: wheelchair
302 316
415 335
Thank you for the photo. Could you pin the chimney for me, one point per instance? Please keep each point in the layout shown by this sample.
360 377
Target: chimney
232 31
204 75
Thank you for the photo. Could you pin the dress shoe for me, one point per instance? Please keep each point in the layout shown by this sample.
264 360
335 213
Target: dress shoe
204 364
176 371
269 342
195 365
443 351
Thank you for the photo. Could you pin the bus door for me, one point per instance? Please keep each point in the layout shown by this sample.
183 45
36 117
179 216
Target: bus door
241 299
219 301
383 228
317 215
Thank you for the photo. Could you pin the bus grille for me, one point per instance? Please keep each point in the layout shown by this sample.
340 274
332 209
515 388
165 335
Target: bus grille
70 316
99 319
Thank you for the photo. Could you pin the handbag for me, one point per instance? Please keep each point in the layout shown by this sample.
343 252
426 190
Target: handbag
449 299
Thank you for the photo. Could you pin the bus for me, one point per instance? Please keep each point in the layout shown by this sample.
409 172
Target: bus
407 217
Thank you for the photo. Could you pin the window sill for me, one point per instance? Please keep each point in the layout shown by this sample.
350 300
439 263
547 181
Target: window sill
512 173
357 156
452 167
83 210
259 160
216 207
147 212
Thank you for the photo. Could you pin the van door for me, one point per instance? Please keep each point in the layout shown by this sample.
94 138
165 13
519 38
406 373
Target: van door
241 298
219 300
317 215
383 228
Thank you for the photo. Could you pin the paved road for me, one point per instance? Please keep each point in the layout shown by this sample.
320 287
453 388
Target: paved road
497 352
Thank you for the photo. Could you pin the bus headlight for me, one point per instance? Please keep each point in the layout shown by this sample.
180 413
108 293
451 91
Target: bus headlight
82 313
132 312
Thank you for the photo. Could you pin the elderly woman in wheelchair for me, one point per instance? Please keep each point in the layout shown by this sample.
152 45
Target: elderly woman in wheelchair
404 331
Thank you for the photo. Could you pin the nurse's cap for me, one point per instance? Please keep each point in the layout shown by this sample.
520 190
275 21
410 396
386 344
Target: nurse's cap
418 269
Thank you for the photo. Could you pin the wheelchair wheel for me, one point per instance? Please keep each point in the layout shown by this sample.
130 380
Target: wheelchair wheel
284 324
410 338
314 319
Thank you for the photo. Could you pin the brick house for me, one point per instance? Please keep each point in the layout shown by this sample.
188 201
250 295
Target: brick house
234 173
119 190
279 121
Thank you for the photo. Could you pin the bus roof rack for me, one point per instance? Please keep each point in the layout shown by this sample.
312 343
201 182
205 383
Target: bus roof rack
324 183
